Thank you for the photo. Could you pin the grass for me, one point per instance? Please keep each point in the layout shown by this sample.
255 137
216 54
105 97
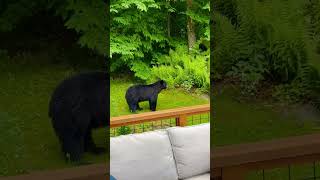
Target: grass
167 99
28 142
237 122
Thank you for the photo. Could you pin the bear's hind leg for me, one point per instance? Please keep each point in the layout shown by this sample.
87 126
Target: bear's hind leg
90 146
75 140
66 131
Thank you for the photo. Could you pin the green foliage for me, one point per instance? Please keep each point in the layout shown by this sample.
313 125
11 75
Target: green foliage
305 88
313 14
249 75
139 32
227 8
181 69
141 69
123 130
138 29
14 12
89 19
200 14
267 41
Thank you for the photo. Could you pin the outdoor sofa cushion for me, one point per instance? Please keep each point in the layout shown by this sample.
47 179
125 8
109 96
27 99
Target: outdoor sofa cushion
191 149
142 156
200 177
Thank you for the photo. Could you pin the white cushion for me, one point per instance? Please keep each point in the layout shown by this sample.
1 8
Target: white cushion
200 177
142 156
191 148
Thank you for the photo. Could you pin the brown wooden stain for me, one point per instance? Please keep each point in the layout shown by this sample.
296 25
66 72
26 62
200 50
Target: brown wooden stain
87 172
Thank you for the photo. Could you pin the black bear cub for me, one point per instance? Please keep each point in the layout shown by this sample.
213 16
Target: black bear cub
78 105
139 93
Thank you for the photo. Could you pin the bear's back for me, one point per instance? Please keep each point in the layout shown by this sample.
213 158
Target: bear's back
84 86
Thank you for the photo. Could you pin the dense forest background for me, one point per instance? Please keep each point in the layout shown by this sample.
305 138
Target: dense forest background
270 49
167 39
151 38
87 20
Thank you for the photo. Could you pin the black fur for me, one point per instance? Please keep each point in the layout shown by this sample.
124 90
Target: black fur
202 47
78 105
139 93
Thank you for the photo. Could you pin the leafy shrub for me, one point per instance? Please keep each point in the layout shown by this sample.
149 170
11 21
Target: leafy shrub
250 76
305 88
183 69
141 69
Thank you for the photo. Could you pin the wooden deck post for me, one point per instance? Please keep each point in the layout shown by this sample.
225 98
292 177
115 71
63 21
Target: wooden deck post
181 120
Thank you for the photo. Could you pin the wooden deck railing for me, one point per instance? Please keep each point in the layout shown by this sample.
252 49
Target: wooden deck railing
234 162
99 171
180 114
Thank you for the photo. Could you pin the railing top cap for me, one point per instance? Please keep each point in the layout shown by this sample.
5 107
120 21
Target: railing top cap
162 114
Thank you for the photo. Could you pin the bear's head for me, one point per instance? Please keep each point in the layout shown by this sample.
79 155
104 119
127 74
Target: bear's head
163 84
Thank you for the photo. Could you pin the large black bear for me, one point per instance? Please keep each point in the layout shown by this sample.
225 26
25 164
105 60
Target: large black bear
139 93
78 105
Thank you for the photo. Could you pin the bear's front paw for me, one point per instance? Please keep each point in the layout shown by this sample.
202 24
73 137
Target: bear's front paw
72 157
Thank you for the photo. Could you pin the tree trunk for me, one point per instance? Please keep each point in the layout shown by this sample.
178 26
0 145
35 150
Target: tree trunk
190 28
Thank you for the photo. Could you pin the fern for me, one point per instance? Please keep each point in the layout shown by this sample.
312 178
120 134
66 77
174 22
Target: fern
268 40
181 69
